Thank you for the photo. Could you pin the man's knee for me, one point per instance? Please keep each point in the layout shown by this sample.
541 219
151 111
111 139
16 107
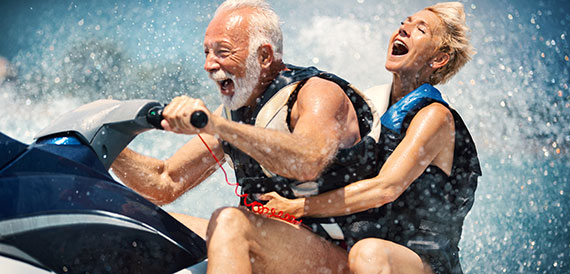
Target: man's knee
369 254
229 221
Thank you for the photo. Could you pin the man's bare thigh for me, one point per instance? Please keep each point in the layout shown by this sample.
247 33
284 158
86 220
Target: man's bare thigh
280 247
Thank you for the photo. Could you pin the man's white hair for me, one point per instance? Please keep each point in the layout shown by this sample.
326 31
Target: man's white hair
264 26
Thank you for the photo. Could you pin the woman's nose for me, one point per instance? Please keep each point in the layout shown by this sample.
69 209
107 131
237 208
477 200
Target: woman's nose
403 30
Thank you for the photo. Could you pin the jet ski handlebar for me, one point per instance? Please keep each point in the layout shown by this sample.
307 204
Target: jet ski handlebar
108 126
198 119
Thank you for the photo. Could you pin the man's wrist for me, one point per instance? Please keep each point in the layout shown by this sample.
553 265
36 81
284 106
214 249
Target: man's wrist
212 126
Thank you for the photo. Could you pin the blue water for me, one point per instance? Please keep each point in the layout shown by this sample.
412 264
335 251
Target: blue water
514 95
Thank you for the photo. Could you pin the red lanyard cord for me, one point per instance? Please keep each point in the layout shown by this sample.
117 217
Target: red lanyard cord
255 206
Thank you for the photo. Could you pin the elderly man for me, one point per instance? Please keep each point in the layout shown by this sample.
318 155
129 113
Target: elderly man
296 131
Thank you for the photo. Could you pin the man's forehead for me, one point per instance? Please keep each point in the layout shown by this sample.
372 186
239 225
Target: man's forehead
231 25
234 21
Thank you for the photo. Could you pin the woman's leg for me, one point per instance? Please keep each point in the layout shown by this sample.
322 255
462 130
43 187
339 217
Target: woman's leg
374 255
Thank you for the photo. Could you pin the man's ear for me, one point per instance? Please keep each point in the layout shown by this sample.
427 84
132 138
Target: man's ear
439 60
265 55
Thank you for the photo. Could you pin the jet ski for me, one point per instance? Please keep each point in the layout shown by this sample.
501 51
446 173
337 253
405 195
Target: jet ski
61 211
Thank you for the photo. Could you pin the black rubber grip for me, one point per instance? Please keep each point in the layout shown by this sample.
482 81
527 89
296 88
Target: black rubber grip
199 119
154 116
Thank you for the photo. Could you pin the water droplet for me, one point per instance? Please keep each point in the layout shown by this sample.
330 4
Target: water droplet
510 16
81 22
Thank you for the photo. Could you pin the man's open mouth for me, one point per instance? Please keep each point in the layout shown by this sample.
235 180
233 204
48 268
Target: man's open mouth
399 48
225 84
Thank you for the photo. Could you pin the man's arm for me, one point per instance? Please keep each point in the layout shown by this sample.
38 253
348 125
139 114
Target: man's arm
428 141
164 181
322 122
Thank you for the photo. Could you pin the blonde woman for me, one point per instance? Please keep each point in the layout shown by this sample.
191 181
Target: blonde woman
408 219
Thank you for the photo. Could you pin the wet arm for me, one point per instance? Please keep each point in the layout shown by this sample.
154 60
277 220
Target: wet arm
317 135
162 181
426 137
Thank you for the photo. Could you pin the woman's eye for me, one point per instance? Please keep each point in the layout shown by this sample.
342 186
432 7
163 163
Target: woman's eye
422 30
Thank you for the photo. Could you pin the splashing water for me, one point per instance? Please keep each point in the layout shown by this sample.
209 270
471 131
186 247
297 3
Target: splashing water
513 95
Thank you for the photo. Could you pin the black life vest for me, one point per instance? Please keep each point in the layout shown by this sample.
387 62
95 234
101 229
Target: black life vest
349 165
434 202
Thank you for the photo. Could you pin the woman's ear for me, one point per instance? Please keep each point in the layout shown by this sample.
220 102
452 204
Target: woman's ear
439 60
265 55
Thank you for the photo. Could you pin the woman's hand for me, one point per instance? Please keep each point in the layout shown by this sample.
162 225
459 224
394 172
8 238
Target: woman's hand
294 207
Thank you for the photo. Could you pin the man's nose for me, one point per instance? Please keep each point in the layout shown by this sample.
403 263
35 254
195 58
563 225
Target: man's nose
211 65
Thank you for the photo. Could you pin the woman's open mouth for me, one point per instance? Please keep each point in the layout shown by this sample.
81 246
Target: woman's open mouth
399 48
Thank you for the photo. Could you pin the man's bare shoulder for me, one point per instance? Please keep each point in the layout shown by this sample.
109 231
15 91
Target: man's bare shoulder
318 90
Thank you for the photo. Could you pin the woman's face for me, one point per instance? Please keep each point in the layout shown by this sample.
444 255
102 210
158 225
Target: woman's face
414 45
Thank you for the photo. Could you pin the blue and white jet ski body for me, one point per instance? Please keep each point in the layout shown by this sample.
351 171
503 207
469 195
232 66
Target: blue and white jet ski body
61 211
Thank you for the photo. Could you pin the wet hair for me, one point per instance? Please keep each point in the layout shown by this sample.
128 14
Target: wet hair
455 40
264 25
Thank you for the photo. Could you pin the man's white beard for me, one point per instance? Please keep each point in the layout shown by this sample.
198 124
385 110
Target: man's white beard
243 87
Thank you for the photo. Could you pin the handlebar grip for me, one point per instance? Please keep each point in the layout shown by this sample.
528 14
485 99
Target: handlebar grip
199 119
154 116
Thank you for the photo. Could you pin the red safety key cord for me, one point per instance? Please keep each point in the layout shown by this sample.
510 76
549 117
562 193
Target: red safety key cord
256 206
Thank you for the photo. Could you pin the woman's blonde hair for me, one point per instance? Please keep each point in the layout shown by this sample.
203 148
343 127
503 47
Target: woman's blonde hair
455 40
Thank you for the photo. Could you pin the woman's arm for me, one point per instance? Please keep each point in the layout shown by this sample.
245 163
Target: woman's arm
429 140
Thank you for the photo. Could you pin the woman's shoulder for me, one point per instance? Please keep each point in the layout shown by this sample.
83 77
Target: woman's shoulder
435 112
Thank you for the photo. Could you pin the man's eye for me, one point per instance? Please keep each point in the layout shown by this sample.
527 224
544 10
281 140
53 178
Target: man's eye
223 53
422 30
